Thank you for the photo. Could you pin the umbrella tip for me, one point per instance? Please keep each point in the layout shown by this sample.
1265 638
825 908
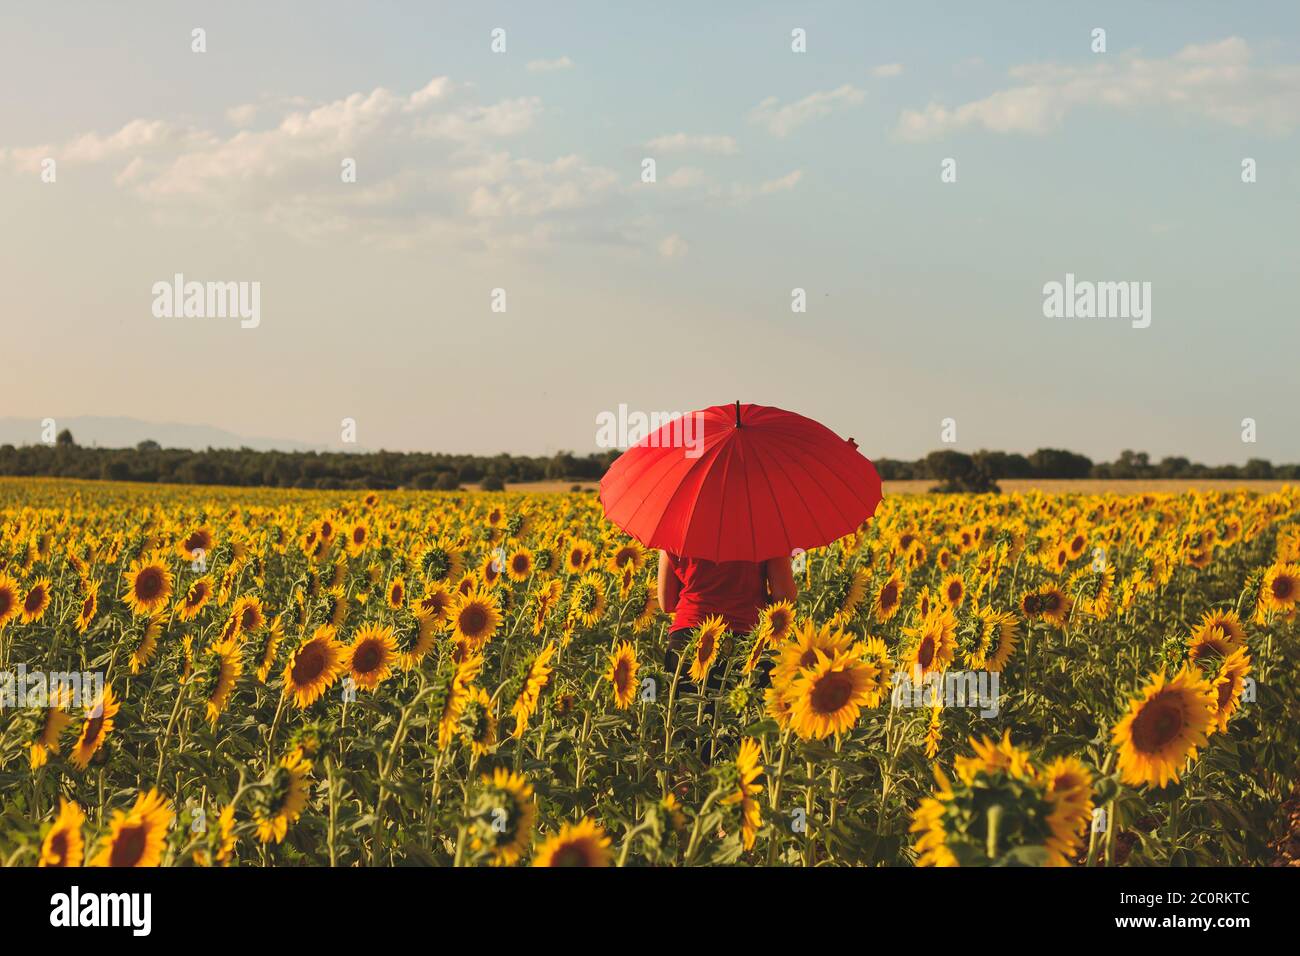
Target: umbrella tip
737 413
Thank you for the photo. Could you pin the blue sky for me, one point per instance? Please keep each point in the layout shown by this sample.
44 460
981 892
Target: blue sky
775 170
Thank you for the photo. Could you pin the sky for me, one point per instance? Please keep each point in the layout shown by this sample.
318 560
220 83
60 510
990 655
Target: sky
775 170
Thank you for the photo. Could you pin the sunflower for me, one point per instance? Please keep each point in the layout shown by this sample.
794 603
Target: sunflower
95 728
148 645
247 615
519 566
395 596
928 820
645 603
35 601
1229 622
577 844
436 604
1208 643
934 642
535 678
1280 590
478 723
413 648
9 603
357 539
54 722
196 598
889 598
749 767
138 836
149 585
587 603
225 667
828 697
1068 787
545 598
371 656
801 650
999 625
270 647
853 590
89 605
197 543
503 822
627 554
704 648
578 555
441 561
288 789
475 617
953 590
622 674
934 730
1164 727
314 666
1228 684
63 845
1053 605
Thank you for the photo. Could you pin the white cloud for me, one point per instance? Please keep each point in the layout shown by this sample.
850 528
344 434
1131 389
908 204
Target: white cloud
887 70
242 115
549 66
673 247
685 177
782 120
1214 81
782 184
431 165
693 143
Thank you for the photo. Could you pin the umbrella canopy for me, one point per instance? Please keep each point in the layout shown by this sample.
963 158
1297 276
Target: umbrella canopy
740 483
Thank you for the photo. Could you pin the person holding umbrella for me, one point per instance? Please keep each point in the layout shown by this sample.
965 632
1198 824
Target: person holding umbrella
728 514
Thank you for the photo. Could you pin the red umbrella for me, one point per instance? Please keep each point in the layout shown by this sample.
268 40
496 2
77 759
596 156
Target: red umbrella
740 483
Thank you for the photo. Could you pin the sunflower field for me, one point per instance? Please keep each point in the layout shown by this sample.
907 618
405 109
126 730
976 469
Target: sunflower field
467 678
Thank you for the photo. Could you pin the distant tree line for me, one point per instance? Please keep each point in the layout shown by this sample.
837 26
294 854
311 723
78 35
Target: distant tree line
981 470
951 470
383 469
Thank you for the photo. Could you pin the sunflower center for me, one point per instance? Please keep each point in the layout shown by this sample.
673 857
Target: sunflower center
1157 725
889 595
831 692
925 653
128 848
309 664
367 658
1283 588
571 854
149 584
36 597
473 620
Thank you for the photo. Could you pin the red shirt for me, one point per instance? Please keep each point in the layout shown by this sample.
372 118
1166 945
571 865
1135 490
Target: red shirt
737 590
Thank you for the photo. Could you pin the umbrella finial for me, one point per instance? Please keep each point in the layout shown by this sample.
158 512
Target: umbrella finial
737 413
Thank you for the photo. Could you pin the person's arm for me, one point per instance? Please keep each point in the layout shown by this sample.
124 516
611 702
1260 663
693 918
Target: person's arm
780 581
669 585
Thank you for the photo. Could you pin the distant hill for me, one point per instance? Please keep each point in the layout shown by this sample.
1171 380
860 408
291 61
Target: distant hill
103 431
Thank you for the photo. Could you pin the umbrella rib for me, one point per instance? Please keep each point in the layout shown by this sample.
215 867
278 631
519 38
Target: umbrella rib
816 484
646 497
710 455
812 515
780 517
796 437
726 471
